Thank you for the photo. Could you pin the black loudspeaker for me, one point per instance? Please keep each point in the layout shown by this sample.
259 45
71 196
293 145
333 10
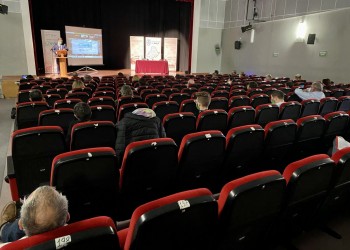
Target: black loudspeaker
311 39
238 44
3 9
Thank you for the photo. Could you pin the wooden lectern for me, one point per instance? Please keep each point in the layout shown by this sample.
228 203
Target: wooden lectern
62 60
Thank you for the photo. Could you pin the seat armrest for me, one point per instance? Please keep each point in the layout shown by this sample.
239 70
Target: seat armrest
123 224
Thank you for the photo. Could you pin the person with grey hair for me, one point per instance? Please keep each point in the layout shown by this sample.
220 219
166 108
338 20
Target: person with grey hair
126 90
314 92
44 210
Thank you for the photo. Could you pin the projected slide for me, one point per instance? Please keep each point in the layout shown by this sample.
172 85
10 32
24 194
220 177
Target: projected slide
85 46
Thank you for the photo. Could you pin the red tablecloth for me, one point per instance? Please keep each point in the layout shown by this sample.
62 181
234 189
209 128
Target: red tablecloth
151 67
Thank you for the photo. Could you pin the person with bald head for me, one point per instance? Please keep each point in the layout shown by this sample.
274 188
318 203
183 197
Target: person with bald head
45 209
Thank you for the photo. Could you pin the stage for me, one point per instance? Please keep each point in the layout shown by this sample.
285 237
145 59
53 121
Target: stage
100 73
10 87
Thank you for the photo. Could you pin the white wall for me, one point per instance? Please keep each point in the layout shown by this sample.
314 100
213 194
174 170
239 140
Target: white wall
332 35
13 59
16 43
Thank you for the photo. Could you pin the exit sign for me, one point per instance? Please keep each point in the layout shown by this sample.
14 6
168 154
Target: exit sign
323 53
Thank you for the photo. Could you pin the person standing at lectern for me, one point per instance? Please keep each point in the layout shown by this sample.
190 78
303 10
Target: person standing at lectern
59 46
56 47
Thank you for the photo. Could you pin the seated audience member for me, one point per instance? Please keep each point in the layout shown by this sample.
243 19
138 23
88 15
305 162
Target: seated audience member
229 81
297 77
314 92
190 81
268 78
126 90
327 82
36 96
44 210
289 85
202 100
216 72
135 78
277 97
88 78
120 74
82 113
252 85
78 84
75 76
141 124
242 75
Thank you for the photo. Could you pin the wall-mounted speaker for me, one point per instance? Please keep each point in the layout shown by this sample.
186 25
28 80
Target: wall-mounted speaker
311 39
238 44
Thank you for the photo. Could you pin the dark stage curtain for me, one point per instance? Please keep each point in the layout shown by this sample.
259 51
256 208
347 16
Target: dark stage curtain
118 20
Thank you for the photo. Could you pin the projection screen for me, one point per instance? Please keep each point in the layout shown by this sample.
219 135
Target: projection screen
84 46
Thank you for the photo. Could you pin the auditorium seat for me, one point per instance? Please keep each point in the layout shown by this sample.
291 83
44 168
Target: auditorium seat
290 110
146 92
340 187
337 124
93 134
94 233
328 105
103 94
215 119
61 91
285 90
254 91
259 99
83 96
84 89
153 98
129 107
249 208
128 99
186 220
240 116
106 100
177 125
201 155
103 113
23 96
279 141
269 91
237 101
57 117
310 107
104 91
66 103
67 86
244 148
89 179
219 103
220 93
344 103
237 92
148 172
337 92
310 132
266 113
208 89
51 99
27 113
308 181
33 150
188 106
26 85
179 97
189 90
165 107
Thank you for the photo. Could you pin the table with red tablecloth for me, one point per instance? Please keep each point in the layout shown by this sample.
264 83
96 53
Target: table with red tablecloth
152 67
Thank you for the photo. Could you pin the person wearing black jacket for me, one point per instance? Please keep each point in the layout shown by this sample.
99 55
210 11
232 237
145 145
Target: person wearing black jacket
82 113
141 124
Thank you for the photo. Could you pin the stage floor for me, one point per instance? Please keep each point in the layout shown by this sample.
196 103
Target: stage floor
100 73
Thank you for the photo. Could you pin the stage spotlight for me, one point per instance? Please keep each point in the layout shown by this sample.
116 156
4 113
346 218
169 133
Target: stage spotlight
246 28
4 9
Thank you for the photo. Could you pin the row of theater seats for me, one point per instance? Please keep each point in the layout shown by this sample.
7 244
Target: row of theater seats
257 211
201 159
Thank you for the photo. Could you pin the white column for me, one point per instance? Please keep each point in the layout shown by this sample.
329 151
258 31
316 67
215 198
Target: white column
195 34
28 38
